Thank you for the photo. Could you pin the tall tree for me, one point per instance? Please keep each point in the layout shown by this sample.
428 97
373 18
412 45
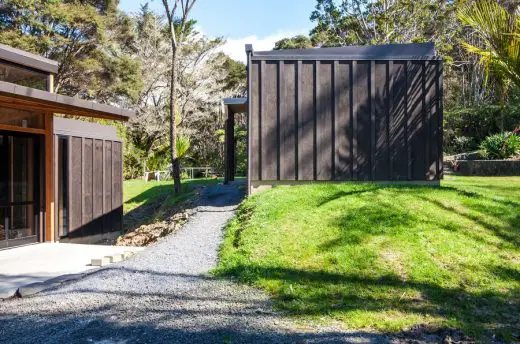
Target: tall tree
361 22
90 39
204 78
177 23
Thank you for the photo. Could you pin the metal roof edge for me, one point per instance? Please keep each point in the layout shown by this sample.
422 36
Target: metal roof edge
346 58
233 101
27 59
366 52
77 128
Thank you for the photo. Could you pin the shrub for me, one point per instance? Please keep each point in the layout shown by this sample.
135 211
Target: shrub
501 146
462 144
465 128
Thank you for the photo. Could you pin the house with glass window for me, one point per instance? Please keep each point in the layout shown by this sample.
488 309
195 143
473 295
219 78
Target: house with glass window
60 178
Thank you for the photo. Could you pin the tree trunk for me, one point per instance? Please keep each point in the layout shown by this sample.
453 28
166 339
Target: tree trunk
176 170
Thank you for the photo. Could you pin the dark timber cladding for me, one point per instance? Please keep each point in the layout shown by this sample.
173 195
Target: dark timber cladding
95 186
354 113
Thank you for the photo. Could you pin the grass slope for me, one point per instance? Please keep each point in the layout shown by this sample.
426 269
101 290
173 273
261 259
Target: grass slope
385 257
147 202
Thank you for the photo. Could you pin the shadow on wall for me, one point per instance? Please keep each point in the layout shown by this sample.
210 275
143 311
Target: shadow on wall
333 135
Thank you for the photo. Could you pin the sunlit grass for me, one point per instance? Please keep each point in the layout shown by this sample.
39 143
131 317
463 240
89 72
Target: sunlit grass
146 202
385 257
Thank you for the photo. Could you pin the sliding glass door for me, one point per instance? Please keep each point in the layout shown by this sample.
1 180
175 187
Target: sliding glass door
19 175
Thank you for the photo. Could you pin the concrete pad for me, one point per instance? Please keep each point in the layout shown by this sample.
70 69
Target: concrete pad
32 264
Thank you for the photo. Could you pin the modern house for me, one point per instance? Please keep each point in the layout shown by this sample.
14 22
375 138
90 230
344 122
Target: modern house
367 113
60 178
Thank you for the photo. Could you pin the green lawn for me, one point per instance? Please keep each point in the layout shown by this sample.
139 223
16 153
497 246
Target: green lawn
146 202
384 257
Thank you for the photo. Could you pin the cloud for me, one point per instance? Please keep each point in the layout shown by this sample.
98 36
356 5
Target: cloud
235 47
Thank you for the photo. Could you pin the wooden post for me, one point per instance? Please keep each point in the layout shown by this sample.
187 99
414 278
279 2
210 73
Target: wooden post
229 173
49 178
50 83
232 145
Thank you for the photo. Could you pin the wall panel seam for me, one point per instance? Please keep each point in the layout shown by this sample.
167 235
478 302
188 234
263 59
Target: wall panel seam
261 70
297 117
407 119
278 110
372 120
335 105
316 84
354 107
426 121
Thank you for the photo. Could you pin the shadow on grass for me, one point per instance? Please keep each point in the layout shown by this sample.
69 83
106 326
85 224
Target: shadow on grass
150 315
337 293
480 209
175 316
155 200
478 311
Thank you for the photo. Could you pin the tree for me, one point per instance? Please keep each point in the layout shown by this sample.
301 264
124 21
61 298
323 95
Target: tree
296 42
498 30
146 132
233 75
176 39
204 78
90 39
362 22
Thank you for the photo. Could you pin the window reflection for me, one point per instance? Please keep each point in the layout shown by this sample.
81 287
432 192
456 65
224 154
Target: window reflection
21 118
23 76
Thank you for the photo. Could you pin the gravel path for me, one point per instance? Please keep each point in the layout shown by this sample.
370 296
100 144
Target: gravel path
162 295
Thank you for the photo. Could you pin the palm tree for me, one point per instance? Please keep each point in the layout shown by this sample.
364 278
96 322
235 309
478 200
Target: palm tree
498 29
183 144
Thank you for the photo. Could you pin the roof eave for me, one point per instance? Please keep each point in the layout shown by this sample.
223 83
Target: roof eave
56 103
27 59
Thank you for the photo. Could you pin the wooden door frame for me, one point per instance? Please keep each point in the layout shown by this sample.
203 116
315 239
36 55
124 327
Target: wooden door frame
49 178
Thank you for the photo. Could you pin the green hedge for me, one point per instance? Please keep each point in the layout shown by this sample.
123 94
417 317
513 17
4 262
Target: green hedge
465 129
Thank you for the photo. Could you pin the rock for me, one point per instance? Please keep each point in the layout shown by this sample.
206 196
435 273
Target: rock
149 234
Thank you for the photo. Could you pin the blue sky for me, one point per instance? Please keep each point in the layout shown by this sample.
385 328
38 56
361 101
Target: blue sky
260 22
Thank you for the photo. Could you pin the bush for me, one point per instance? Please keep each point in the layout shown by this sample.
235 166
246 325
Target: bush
462 144
465 128
501 146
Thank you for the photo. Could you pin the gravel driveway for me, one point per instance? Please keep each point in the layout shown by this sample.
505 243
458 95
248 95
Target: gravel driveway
162 295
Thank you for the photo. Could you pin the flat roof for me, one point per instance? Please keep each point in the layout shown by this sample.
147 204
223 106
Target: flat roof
27 59
236 105
74 127
232 101
414 51
26 97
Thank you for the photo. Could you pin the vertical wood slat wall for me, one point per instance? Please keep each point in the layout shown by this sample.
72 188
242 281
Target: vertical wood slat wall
95 186
345 120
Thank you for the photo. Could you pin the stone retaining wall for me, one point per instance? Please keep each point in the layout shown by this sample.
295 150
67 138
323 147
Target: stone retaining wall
487 167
